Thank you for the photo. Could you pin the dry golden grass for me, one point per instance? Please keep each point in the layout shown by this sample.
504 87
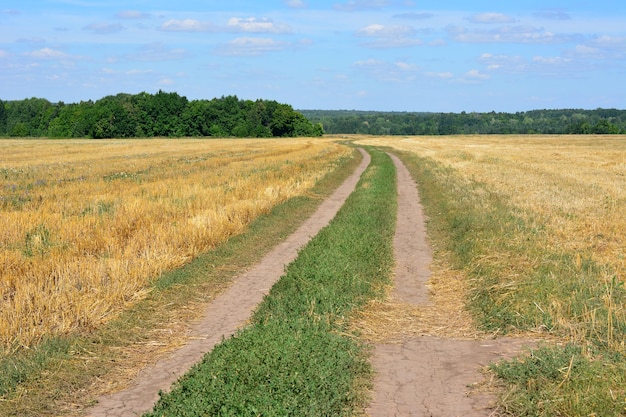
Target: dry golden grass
574 186
576 183
86 225
445 315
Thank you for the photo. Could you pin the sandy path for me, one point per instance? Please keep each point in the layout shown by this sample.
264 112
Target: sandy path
426 376
225 314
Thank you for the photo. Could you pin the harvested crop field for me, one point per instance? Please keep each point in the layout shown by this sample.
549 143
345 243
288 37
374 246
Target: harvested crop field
86 225
572 188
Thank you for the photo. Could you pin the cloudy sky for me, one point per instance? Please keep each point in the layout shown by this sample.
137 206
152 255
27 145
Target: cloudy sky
400 55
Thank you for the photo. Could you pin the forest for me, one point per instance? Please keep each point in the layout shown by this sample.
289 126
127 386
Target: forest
152 115
170 115
569 121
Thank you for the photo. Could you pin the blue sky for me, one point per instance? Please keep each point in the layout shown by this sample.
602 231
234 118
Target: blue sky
393 55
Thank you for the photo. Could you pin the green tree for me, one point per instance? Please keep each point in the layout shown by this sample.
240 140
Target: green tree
29 117
3 118
166 110
604 127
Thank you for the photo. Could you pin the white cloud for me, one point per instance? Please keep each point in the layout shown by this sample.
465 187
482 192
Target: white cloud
399 71
132 72
538 65
442 75
138 72
503 63
613 46
508 34
295 4
47 53
556 14
413 15
247 46
472 77
34 40
158 52
491 18
104 28
254 25
555 60
186 25
598 48
3 54
560 66
369 63
586 50
378 30
132 14
371 30
405 66
357 5
388 36
477 75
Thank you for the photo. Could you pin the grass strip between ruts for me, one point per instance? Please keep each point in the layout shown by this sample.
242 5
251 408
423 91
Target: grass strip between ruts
295 357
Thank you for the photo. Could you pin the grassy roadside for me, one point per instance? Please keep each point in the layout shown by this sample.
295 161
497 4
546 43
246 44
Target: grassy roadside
295 358
517 285
60 376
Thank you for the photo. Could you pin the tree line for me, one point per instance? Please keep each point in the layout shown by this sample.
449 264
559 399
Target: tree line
568 121
153 115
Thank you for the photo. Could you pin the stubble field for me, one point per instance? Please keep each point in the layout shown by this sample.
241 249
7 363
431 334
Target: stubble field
572 189
86 225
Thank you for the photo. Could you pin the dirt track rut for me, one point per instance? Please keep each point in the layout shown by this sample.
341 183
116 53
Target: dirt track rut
427 376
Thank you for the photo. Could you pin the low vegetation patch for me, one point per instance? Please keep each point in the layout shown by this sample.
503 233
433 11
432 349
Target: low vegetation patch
295 357
564 380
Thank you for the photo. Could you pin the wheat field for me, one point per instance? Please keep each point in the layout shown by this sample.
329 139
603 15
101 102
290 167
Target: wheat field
86 225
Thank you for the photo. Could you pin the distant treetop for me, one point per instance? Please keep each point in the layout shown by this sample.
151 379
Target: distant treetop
568 121
151 115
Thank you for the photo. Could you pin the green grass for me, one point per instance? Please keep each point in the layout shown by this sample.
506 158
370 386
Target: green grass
564 381
295 357
50 379
518 285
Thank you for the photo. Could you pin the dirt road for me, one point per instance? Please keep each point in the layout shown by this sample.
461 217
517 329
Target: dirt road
225 314
427 376
419 376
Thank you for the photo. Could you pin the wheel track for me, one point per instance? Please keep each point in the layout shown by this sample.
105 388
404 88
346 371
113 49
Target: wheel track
427 376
